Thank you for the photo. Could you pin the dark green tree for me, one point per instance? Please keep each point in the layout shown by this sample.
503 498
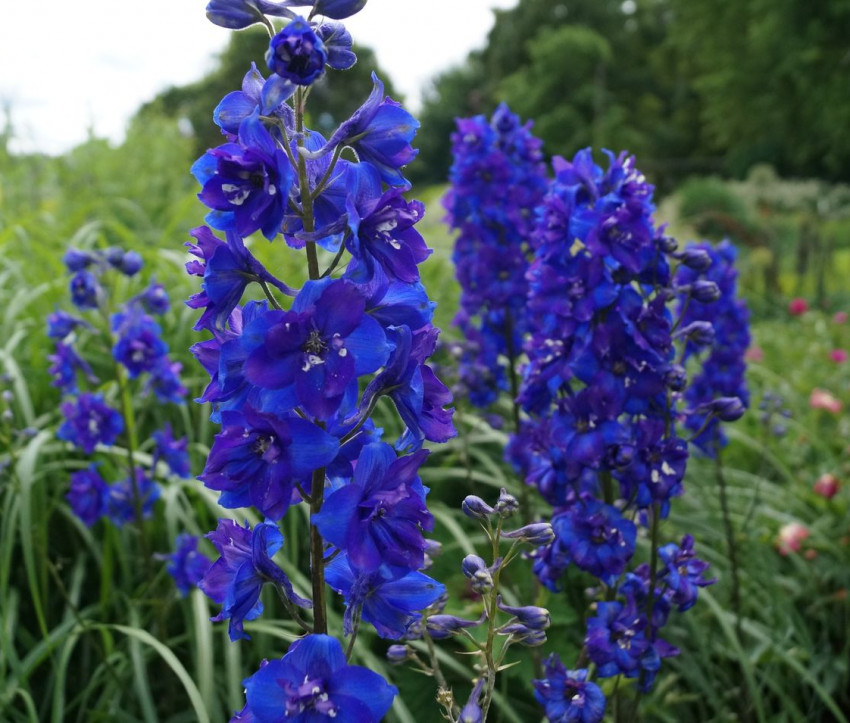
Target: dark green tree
773 78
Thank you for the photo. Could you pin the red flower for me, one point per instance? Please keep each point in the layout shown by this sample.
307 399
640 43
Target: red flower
798 306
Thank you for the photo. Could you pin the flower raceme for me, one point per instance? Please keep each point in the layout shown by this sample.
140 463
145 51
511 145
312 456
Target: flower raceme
295 378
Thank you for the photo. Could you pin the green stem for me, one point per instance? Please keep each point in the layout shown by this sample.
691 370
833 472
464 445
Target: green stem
317 555
268 292
356 628
304 187
492 609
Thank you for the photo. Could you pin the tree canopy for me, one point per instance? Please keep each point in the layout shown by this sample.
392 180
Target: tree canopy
709 86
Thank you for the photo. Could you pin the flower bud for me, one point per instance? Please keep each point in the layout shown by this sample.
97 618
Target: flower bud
826 486
337 42
676 378
696 259
667 244
523 635
76 260
432 549
474 506
7 395
619 456
705 292
507 504
297 54
398 654
537 533
700 333
478 573
131 263
338 9
442 626
471 712
531 616
727 409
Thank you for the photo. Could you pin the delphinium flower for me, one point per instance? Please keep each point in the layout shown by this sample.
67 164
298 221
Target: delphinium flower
312 682
129 334
600 393
187 565
497 179
567 695
296 373
721 370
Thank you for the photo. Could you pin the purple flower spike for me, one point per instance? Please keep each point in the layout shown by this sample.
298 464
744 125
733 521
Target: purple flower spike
237 577
312 683
568 696
297 54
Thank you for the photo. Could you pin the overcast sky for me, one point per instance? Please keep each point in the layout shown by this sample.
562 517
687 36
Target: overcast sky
70 65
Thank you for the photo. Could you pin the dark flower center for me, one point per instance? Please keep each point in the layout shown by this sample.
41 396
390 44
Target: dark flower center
315 344
261 445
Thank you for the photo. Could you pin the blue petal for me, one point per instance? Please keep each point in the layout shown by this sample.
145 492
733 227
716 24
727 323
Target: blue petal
232 110
368 344
275 91
311 447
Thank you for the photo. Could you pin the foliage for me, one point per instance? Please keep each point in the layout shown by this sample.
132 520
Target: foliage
670 80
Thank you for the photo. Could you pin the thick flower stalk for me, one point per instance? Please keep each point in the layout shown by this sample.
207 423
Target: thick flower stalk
600 442
296 373
497 179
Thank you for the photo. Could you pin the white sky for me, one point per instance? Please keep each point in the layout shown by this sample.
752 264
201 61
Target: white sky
70 65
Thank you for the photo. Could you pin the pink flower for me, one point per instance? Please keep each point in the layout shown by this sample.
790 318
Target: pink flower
840 317
754 354
839 356
791 537
798 306
826 485
822 399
